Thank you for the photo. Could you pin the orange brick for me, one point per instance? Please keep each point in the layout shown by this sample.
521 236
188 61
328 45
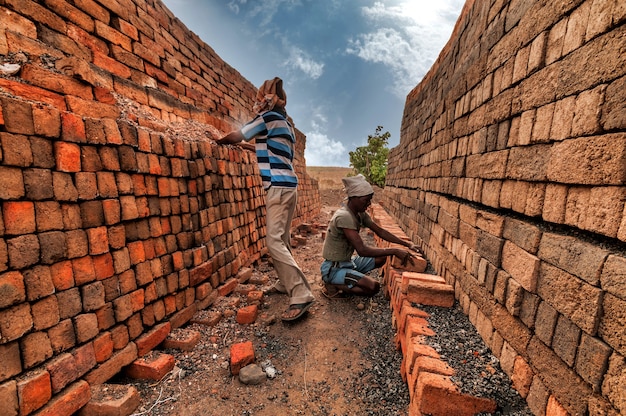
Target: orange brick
69 401
153 367
522 376
137 300
98 240
67 156
241 354
34 391
555 408
436 394
228 287
103 266
19 217
182 339
103 347
247 314
433 294
84 271
137 252
62 275
148 341
415 264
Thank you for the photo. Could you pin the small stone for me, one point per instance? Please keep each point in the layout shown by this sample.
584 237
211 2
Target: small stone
252 374
360 306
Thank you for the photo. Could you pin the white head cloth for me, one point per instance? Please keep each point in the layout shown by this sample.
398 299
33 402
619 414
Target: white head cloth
357 186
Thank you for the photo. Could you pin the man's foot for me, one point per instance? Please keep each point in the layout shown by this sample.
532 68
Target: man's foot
331 292
271 291
296 311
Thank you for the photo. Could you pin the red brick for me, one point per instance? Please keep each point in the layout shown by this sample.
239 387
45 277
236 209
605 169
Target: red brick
30 92
103 266
112 214
55 82
93 109
120 337
137 300
12 289
433 294
183 316
69 401
36 348
522 376
103 347
153 367
241 354
151 339
436 394
77 245
112 366
106 316
62 275
84 271
34 391
247 314
136 252
19 217
73 128
67 156
98 240
228 287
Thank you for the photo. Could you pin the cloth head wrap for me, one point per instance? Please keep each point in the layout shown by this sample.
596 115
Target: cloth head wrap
357 186
270 95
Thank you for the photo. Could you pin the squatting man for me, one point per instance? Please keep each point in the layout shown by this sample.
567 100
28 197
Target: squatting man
342 272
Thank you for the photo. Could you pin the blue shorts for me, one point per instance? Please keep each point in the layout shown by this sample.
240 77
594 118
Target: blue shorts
346 272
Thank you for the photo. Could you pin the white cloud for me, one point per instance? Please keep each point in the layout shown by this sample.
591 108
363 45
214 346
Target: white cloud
407 38
300 60
324 151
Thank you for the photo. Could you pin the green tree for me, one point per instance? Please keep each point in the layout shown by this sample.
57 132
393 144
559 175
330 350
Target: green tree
371 160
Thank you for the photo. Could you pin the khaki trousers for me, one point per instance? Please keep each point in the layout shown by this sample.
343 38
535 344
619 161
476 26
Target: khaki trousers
280 207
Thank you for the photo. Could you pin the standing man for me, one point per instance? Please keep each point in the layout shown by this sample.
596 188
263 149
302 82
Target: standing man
274 144
343 273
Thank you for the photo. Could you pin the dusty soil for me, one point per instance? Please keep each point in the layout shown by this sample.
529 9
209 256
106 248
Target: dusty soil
321 363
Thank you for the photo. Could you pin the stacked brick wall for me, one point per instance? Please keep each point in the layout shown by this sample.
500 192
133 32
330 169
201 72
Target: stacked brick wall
119 216
510 174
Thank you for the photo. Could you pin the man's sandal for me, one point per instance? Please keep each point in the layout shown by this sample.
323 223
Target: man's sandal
300 307
335 294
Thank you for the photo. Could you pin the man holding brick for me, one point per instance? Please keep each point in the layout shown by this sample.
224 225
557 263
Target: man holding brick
274 145
341 272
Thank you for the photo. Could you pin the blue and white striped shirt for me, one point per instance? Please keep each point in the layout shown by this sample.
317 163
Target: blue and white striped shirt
275 141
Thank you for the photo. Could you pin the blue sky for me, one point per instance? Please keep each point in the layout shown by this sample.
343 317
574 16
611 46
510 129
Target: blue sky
346 65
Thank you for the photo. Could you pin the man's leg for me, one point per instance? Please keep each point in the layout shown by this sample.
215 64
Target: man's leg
280 206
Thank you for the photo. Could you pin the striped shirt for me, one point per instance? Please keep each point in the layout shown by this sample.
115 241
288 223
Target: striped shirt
275 140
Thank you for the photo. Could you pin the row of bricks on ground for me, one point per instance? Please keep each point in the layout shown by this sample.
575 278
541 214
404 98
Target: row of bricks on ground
426 374
97 362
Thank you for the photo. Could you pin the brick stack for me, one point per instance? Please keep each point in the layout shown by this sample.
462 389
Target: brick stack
510 174
116 223
427 375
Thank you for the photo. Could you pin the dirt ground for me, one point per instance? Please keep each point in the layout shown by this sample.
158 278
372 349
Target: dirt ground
320 362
